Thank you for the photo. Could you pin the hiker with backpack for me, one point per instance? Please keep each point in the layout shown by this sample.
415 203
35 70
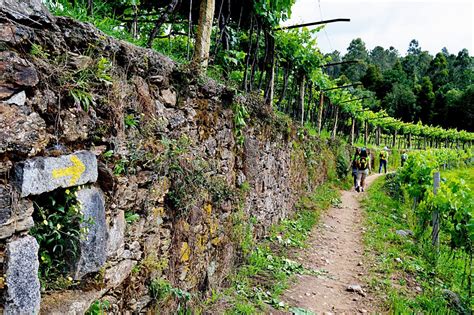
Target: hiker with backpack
383 159
353 165
363 169
404 157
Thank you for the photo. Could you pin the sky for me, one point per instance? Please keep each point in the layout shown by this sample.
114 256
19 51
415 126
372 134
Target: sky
434 23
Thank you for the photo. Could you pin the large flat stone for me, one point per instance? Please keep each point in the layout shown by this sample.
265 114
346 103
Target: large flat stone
29 10
23 286
93 248
69 302
38 175
117 274
16 70
115 243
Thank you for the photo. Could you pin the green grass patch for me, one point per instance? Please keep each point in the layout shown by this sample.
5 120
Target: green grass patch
405 273
267 269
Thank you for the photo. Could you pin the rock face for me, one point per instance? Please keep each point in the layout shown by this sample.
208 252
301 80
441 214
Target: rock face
23 286
93 248
115 244
39 175
27 9
5 204
20 132
15 213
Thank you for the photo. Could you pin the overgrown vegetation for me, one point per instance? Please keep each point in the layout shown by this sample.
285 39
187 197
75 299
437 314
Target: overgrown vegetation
408 272
161 291
59 226
240 121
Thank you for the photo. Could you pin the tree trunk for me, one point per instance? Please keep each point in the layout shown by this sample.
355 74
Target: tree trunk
301 100
269 89
162 19
247 59
366 133
320 114
255 57
353 130
394 142
90 7
203 36
286 75
409 141
190 27
335 123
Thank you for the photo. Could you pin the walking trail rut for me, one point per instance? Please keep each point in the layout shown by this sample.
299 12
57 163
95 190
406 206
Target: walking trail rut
335 251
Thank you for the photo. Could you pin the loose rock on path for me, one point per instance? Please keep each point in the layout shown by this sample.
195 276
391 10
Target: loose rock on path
335 253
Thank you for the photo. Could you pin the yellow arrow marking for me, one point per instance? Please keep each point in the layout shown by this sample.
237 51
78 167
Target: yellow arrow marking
75 171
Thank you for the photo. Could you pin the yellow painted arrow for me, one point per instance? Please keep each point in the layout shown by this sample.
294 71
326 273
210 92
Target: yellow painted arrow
75 171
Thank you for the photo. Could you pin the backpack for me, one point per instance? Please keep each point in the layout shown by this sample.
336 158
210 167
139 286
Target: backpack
404 157
362 163
383 155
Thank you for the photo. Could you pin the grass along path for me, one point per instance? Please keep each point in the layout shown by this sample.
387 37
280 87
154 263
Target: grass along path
401 273
335 254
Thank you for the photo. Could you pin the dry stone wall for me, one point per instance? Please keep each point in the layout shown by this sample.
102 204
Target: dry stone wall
149 148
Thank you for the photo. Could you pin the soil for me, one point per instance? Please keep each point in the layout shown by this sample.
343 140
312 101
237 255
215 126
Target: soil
335 252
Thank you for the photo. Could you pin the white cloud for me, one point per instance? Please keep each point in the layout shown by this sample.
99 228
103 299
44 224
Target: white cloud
434 23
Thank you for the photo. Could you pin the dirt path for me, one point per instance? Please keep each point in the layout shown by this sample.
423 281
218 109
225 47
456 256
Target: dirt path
335 250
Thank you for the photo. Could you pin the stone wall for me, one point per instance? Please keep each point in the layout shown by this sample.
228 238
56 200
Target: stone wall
162 180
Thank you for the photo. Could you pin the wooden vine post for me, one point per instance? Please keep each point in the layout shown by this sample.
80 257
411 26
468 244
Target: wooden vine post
377 136
203 36
366 133
353 130
334 131
435 232
394 140
320 113
301 101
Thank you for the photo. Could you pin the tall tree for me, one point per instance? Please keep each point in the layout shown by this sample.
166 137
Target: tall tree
425 100
438 70
355 51
401 103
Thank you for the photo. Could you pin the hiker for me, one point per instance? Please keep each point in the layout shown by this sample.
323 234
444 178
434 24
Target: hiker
383 159
353 165
404 157
363 169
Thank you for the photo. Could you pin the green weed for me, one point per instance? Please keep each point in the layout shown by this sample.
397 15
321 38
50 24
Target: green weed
98 308
131 217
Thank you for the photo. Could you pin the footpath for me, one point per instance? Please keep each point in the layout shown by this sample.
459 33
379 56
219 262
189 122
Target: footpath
335 254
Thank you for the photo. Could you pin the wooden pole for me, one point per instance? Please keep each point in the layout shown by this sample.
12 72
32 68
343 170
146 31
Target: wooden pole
320 114
302 98
366 134
352 130
203 36
312 23
435 232
335 123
